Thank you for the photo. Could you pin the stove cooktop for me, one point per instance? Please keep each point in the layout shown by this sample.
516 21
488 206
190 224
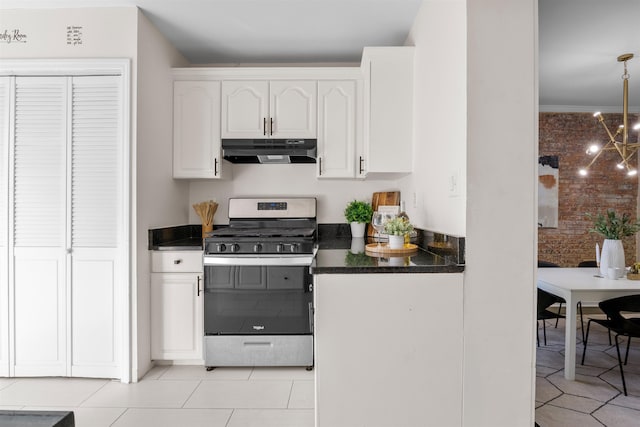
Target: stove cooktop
259 232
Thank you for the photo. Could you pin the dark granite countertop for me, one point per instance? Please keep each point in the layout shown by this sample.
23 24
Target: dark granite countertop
178 238
338 253
343 255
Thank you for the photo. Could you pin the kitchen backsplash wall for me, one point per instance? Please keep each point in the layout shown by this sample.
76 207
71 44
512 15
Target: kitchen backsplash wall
567 136
285 180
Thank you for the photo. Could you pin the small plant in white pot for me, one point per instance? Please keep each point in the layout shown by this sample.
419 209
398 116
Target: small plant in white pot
397 228
613 228
358 214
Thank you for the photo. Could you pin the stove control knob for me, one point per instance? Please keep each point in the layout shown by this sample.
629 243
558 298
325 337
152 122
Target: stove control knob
257 247
235 247
280 247
221 247
294 247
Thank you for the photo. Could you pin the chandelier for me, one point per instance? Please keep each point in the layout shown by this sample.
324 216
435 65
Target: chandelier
625 149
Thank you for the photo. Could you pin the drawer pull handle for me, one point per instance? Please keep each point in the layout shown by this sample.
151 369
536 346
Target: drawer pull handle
258 344
177 261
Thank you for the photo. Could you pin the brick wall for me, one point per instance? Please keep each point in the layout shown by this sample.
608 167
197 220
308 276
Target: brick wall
568 135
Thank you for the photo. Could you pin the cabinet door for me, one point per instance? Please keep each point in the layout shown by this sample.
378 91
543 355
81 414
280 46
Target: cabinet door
196 129
39 218
177 330
96 226
68 226
96 317
292 107
389 109
336 129
245 111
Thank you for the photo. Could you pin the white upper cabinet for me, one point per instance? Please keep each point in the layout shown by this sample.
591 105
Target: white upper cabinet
196 130
388 118
269 109
292 106
338 135
245 109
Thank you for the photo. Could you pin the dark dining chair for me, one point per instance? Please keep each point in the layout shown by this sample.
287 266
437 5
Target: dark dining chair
622 326
559 300
590 263
545 300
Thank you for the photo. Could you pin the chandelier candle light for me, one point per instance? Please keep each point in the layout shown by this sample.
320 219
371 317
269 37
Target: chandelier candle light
625 149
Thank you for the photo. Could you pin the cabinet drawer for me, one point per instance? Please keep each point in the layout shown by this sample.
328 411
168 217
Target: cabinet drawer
176 261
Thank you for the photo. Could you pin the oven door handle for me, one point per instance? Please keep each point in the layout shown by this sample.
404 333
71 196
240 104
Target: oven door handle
264 260
311 325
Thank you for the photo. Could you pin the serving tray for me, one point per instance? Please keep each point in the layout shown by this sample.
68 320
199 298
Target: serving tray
384 248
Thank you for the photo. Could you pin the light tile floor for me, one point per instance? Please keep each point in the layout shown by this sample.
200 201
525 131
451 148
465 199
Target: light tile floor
595 398
170 396
189 396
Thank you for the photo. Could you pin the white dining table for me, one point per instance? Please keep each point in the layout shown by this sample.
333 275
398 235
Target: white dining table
580 285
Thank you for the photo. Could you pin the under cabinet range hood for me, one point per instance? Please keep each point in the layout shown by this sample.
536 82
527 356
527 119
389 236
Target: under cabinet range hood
269 151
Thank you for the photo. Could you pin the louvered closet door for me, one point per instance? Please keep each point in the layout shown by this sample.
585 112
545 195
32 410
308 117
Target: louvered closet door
96 225
5 96
39 204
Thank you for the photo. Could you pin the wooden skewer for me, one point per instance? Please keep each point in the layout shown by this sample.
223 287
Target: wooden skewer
206 211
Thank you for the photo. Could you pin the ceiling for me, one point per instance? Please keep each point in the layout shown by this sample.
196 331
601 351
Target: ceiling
579 40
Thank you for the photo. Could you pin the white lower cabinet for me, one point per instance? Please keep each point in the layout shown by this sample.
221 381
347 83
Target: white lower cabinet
388 349
177 306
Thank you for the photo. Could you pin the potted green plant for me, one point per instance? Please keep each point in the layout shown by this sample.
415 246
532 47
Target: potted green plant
358 214
397 228
613 227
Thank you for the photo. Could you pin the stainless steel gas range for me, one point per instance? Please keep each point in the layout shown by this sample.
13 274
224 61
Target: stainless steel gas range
258 300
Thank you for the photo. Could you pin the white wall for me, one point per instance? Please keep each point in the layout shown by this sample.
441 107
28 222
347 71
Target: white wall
285 180
156 199
159 198
45 36
502 127
440 115
476 64
106 33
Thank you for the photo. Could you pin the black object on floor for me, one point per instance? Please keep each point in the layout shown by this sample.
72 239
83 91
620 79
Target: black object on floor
37 419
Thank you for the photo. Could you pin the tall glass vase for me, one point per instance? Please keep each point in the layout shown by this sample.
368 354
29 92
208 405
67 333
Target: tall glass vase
612 256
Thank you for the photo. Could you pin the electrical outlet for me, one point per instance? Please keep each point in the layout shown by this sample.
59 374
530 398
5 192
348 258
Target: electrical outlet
415 200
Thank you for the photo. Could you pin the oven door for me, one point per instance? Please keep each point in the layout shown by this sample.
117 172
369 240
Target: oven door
258 300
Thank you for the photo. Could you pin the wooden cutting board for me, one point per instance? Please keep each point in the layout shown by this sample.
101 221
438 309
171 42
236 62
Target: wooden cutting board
386 198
